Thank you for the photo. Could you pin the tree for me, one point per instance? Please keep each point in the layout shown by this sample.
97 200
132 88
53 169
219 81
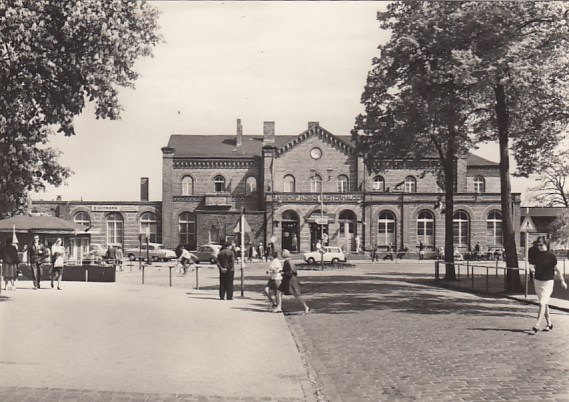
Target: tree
508 62
413 104
54 56
517 62
552 190
559 229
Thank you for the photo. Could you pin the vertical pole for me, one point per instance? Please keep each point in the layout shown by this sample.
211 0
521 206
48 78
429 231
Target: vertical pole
147 251
437 278
170 268
143 274
242 233
197 279
526 251
487 279
472 275
321 227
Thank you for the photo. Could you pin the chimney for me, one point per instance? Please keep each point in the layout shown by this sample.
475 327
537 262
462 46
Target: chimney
313 124
239 133
144 189
268 132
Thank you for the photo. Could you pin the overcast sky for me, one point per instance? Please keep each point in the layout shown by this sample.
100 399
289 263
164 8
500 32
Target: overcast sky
288 62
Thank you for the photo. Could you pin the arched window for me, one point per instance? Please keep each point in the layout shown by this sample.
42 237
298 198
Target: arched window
378 183
315 184
219 183
386 229
187 230
115 228
461 228
410 184
343 184
494 229
426 228
82 218
479 185
289 184
188 185
251 186
148 224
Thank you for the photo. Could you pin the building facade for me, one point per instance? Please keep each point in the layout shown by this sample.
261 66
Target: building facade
298 190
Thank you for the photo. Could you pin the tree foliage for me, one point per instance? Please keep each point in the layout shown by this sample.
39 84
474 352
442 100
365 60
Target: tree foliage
553 189
504 66
54 56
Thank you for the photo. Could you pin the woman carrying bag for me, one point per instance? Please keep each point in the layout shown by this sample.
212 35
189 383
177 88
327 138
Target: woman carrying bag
290 284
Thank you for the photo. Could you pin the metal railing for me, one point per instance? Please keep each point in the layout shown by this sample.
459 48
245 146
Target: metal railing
489 278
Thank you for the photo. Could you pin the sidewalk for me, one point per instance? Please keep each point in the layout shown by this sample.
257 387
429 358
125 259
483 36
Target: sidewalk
122 341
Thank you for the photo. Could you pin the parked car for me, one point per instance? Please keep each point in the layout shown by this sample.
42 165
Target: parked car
156 252
207 252
331 254
97 252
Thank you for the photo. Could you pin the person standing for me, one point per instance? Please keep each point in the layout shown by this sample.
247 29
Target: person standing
290 284
544 267
226 266
37 253
275 279
261 252
294 243
119 256
57 253
10 261
421 251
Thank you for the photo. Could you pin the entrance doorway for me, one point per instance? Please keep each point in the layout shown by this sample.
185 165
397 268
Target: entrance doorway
348 231
290 231
316 232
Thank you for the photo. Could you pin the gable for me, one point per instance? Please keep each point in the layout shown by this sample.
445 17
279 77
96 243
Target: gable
321 134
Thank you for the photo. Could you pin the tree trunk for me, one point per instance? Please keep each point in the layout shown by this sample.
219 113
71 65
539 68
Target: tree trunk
513 281
448 166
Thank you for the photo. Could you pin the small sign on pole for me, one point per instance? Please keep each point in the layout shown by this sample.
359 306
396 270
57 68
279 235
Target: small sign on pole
527 225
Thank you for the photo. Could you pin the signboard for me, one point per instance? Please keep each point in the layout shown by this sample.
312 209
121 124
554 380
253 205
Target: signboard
527 225
321 221
114 208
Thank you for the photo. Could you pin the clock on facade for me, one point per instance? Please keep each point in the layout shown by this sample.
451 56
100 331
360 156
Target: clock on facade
315 153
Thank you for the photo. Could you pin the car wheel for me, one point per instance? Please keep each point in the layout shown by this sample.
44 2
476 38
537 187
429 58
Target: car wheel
155 259
131 257
212 260
335 260
311 260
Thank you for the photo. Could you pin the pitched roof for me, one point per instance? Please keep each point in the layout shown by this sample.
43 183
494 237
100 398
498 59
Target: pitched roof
475 160
26 223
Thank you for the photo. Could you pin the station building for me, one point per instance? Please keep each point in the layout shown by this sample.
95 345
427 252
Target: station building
298 190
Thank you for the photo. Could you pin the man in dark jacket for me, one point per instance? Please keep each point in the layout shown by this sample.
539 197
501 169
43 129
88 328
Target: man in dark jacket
37 253
226 266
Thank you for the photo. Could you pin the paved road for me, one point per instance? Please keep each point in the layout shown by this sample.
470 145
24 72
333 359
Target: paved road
384 333
378 332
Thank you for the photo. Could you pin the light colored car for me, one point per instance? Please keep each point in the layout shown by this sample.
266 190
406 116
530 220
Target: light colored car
331 254
207 252
156 252
97 252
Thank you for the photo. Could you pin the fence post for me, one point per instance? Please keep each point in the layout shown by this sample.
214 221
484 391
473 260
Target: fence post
170 273
197 279
437 278
472 277
458 273
496 267
467 268
143 273
487 278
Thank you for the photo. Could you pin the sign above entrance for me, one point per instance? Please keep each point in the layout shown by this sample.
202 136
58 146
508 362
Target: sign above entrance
327 198
321 221
527 225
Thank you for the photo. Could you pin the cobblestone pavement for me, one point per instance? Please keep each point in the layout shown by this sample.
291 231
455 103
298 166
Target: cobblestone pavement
383 333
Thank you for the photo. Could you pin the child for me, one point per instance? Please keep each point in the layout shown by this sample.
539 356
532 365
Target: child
275 279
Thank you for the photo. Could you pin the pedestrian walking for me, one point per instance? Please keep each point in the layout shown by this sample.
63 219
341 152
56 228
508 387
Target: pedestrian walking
226 266
261 252
275 279
185 258
290 284
57 253
545 267
37 254
10 261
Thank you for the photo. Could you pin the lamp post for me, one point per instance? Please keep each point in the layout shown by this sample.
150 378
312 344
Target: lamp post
321 221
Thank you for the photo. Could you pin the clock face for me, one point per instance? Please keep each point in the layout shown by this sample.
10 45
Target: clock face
315 153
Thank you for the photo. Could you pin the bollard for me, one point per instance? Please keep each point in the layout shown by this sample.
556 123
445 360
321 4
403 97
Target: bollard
170 268
197 279
467 268
142 268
